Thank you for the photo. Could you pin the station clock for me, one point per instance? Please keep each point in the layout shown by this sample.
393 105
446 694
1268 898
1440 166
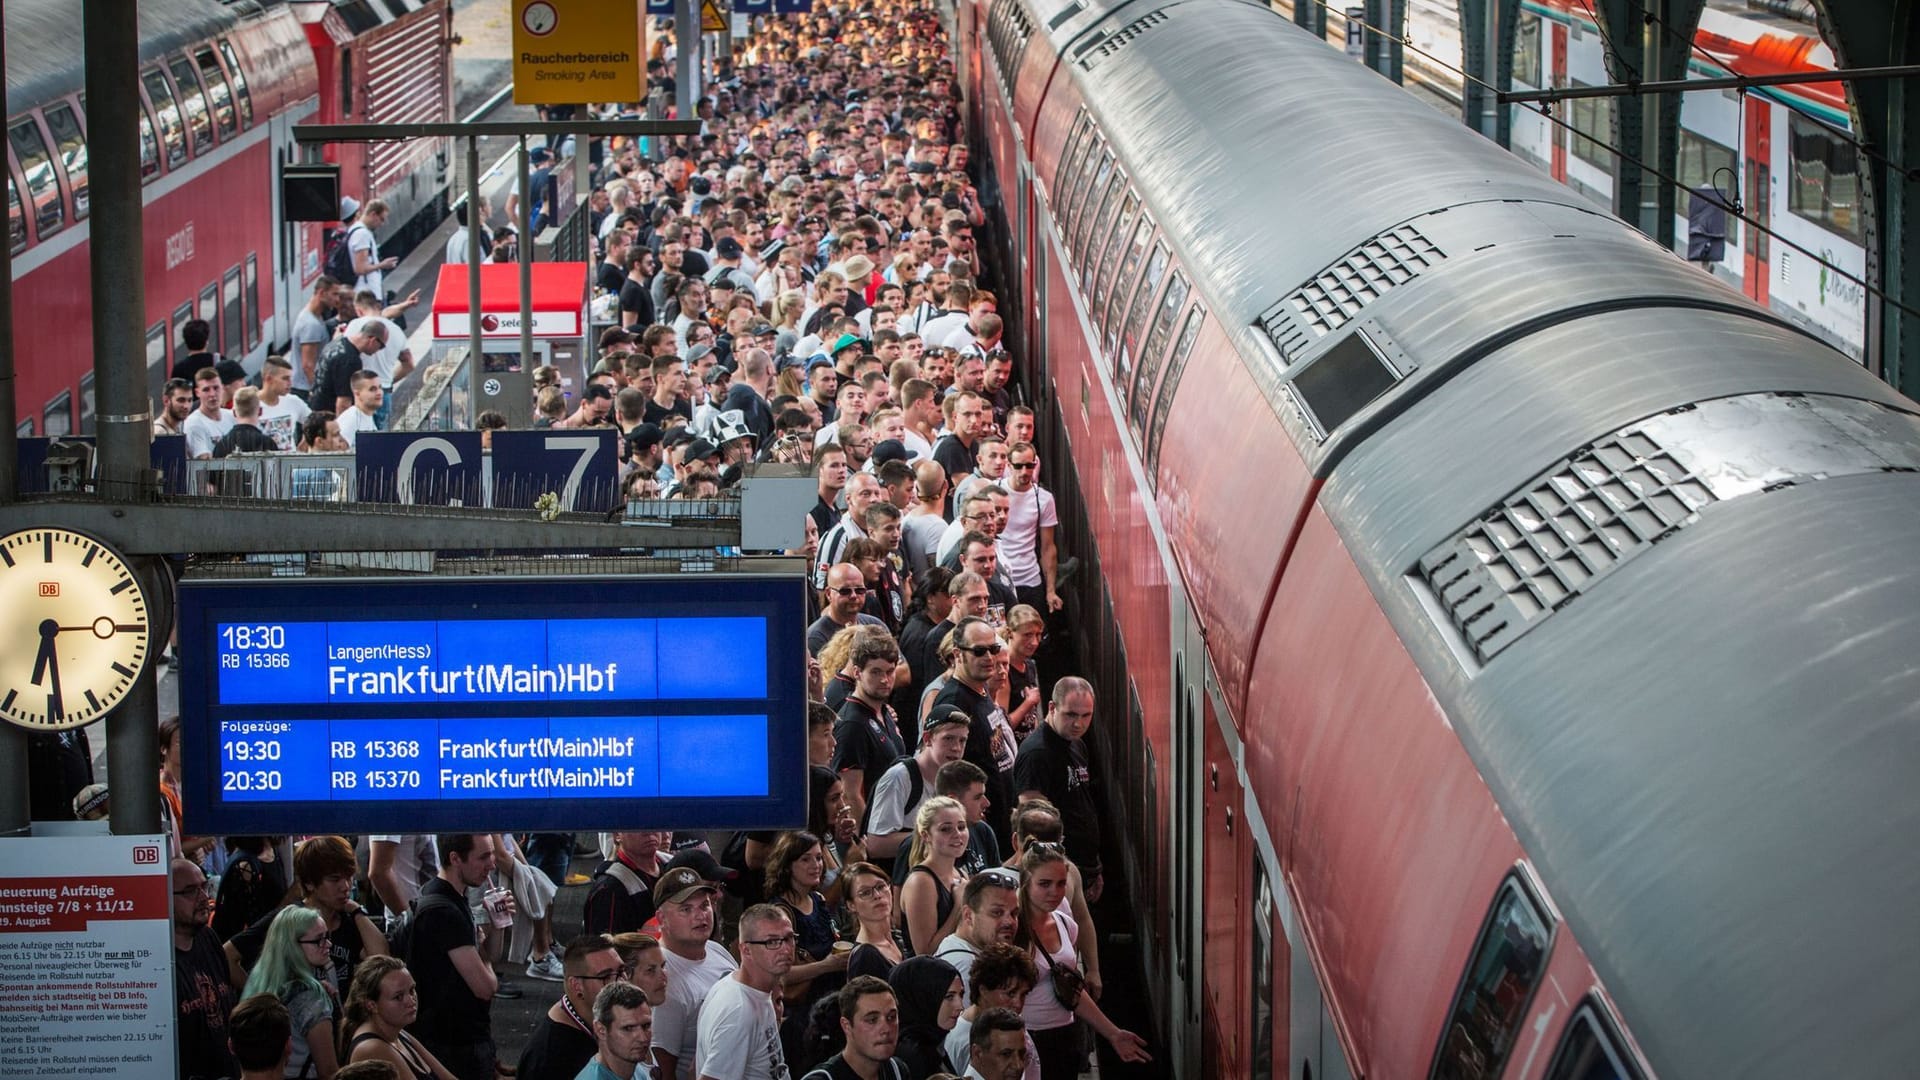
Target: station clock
74 629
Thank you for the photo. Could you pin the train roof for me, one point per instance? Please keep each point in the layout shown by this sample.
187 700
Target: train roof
45 43
1707 750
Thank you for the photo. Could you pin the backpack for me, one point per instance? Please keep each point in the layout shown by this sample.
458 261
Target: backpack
339 261
916 789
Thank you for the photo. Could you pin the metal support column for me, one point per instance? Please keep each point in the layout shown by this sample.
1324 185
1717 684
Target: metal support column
475 223
525 249
1312 16
124 419
1385 54
686 42
14 805
1486 40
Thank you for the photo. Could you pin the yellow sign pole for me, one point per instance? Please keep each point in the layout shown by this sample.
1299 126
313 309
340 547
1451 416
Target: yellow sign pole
567 52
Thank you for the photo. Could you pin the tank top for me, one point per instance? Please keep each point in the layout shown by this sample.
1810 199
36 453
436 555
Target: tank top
404 1048
943 894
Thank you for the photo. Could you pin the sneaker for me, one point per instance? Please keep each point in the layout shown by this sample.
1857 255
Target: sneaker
577 878
509 992
556 951
546 968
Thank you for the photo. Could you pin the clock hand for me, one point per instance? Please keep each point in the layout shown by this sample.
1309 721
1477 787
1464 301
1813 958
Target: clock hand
47 663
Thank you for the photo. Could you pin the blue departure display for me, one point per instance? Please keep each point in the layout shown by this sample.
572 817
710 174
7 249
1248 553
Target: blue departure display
455 705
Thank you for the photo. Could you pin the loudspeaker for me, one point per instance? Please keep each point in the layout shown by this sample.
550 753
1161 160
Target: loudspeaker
310 192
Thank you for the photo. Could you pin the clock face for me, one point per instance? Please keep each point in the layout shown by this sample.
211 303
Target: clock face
73 629
539 18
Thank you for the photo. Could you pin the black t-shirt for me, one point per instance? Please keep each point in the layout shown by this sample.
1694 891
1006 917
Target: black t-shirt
249 890
824 515
206 999
449 1012
866 740
58 766
980 751
189 365
1058 767
655 414
838 690
955 456
555 1051
835 1069
244 439
610 908
637 298
333 374
611 277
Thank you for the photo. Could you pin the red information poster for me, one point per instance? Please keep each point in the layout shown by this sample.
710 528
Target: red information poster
86 957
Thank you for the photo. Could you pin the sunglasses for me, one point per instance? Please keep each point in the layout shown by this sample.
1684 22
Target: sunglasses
1024 466
849 590
984 650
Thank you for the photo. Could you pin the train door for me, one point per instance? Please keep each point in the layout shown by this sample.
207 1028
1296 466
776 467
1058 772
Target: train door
1758 170
1223 911
1559 134
1187 843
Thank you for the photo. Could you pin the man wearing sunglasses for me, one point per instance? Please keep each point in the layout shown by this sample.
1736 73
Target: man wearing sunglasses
846 595
975 646
562 1043
1028 552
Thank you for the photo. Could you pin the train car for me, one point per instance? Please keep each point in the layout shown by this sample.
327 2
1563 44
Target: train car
1787 152
386 62
1503 661
221 86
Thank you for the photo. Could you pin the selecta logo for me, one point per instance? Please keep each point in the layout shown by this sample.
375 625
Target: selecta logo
489 323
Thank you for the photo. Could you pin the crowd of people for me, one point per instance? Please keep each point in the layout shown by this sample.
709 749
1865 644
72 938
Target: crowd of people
801 283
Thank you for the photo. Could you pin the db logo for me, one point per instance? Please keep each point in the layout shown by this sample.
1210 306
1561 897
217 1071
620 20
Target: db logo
49 588
489 323
491 387
146 855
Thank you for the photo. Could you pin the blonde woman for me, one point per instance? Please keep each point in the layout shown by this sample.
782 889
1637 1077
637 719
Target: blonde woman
930 897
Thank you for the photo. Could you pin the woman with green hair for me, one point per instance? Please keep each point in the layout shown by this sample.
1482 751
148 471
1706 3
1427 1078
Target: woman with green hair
295 966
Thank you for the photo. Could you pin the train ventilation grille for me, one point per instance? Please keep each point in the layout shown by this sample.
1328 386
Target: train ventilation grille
1335 295
1060 17
1529 556
1008 28
1094 55
1611 502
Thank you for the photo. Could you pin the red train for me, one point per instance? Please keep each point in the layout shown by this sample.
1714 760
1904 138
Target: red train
1504 665
221 86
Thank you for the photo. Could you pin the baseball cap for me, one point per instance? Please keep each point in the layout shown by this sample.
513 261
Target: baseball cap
698 450
643 437
761 329
728 248
718 374
539 154
819 359
888 450
679 885
230 371
950 717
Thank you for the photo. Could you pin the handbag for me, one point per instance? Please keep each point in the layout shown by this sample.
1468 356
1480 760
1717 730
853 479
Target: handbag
1068 982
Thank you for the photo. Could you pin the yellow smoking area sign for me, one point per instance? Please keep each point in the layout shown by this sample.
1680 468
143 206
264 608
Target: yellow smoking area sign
567 52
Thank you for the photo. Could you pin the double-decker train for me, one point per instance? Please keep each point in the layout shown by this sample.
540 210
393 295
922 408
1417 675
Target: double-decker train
221 86
1503 627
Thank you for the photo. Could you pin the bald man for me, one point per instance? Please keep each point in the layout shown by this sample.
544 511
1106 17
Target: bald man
845 594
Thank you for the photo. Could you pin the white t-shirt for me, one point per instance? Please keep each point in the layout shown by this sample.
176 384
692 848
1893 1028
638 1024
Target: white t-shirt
416 859
739 1034
676 1023
918 449
202 432
353 422
385 362
1027 513
936 330
282 419
919 535
890 812
360 238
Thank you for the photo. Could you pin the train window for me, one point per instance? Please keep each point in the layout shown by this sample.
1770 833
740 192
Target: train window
230 311
1097 195
156 360
167 114
1826 177
1261 1064
16 219
346 82
1708 164
1063 206
253 303
240 94
1590 1049
1526 49
1143 299
1094 228
57 418
1075 144
149 149
1155 350
181 316
1117 232
1162 401
194 101
209 310
218 92
1341 381
43 187
1593 119
1082 190
1142 233
1502 972
64 126
86 404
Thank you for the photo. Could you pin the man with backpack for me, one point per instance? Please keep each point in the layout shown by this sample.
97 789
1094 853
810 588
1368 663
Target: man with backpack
904 786
354 254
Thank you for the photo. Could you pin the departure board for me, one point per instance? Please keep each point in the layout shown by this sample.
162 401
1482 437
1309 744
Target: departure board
463 705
